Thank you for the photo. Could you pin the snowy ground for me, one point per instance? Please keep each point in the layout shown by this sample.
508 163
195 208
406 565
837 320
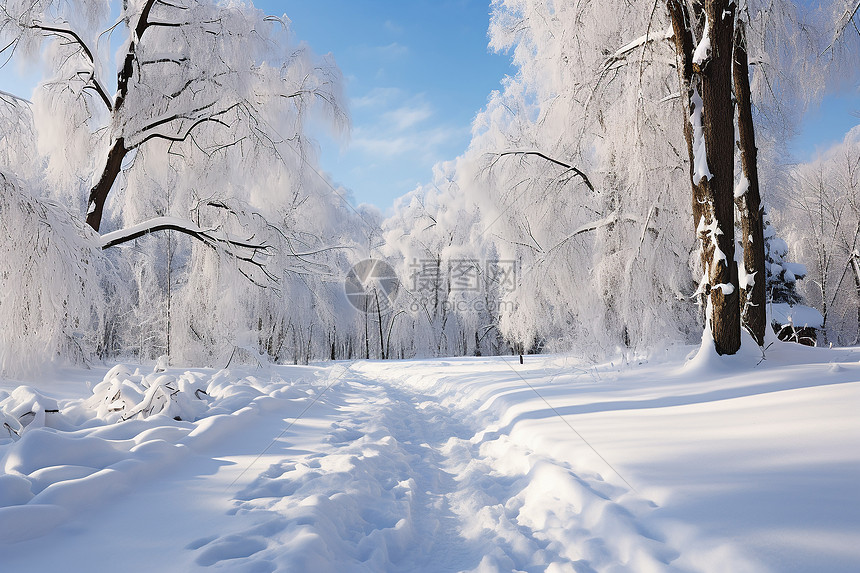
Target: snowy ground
439 465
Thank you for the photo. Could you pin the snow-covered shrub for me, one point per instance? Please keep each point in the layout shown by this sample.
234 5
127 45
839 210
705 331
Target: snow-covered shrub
782 275
51 308
24 409
124 395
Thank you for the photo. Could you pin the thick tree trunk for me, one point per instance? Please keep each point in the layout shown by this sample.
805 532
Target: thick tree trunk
118 150
719 133
752 296
713 205
99 193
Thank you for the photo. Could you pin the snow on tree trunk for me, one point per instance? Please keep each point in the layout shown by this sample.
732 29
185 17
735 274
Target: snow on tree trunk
684 48
748 201
705 74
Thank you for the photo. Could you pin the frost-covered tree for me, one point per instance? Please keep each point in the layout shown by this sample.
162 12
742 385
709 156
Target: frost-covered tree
49 263
715 53
823 215
210 75
452 281
576 174
194 156
704 39
586 159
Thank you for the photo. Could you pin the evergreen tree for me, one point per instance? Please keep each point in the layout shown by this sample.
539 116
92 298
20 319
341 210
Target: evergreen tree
782 275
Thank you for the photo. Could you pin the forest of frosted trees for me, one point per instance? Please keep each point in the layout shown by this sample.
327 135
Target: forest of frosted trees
163 196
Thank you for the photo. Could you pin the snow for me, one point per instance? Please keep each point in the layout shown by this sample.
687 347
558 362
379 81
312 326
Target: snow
700 152
794 271
120 234
666 34
703 49
798 315
727 288
742 187
660 463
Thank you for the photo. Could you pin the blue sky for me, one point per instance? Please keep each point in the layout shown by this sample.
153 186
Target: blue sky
827 124
417 72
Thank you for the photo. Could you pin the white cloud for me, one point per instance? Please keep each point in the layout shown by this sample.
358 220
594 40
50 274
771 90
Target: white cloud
377 97
390 124
392 50
388 52
424 144
393 27
406 117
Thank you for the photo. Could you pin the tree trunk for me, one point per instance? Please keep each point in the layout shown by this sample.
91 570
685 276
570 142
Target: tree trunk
719 133
752 297
682 25
713 193
99 193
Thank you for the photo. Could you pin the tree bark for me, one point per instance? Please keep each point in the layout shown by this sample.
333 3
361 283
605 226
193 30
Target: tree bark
99 193
752 298
719 133
713 197
682 24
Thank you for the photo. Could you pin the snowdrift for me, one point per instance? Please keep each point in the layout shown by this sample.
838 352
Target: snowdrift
659 463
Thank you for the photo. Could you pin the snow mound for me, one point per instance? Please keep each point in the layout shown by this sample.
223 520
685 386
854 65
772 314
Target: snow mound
58 458
124 395
798 315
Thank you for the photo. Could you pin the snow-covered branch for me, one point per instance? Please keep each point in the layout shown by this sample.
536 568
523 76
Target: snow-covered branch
567 166
607 221
4 94
845 21
93 83
242 250
621 53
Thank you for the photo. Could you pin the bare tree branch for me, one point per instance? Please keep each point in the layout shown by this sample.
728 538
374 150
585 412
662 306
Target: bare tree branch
93 82
847 19
547 158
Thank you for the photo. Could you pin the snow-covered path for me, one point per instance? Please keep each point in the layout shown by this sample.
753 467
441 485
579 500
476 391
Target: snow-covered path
468 464
371 495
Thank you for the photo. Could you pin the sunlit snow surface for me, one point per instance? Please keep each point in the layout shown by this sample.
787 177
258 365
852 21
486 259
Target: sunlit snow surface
711 464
